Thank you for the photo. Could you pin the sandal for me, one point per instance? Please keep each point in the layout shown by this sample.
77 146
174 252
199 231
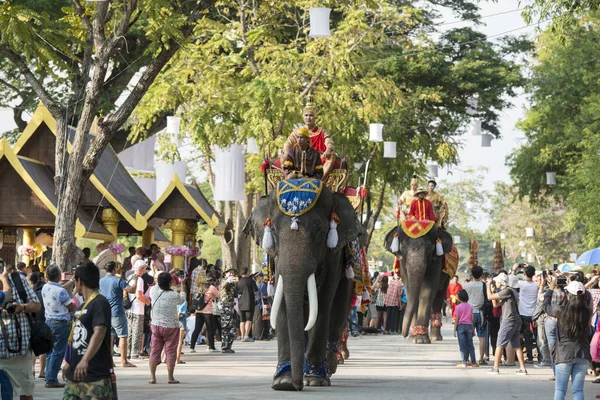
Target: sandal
180 362
504 364
597 380
173 382
152 381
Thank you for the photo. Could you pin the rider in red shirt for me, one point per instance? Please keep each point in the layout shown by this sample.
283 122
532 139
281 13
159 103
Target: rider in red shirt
421 208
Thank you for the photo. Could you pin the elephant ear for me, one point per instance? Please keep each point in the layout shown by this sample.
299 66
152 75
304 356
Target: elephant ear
255 224
387 242
446 240
349 228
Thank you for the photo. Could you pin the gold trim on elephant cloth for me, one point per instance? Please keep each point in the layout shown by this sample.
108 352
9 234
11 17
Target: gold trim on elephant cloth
416 228
296 197
451 262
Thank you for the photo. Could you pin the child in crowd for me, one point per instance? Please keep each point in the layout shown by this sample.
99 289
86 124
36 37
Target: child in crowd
464 330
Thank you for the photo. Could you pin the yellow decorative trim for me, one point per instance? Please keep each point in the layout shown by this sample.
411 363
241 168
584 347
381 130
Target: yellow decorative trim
288 163
176 183
319 167
42 114
289 187
13 159
419 230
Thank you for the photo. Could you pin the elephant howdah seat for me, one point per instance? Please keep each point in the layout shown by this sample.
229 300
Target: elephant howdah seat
336 180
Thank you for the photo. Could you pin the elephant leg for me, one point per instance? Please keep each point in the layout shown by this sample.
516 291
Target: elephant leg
338 328
283 374
420 328
436 309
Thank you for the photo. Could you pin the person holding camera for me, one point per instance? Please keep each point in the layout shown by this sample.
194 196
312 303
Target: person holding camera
571 353
16 357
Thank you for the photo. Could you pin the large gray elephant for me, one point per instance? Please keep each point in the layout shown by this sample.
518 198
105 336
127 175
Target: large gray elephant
313 293
421 272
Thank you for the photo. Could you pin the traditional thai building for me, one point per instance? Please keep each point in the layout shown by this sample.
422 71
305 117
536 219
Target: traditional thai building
112 204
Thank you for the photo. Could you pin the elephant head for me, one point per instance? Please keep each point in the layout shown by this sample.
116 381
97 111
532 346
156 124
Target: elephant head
420 269
300 254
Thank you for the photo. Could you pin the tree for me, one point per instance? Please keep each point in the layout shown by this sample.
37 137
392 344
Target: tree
86 45
554 237
561 127
248 73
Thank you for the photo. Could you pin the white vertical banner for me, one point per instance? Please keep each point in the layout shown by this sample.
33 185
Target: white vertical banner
230 176
165 172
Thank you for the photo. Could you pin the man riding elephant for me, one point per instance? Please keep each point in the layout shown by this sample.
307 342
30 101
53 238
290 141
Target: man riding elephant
421 208
319 138
302 161
440 208
407 198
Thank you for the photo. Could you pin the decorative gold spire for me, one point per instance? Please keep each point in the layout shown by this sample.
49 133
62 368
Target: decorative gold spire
310 105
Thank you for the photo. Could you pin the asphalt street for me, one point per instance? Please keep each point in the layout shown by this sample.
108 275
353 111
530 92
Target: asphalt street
380 367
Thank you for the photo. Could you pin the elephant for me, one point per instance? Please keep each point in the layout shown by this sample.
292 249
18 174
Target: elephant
312 293
424 280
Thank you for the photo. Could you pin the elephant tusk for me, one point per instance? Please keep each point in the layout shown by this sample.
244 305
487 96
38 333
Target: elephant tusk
313 303
277 302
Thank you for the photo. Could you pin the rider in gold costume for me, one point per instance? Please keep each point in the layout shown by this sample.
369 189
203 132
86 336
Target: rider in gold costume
407 197
320 140
440 209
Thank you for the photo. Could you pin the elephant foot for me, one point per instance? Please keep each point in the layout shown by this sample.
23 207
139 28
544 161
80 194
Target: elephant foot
420 339
316 381
284 382
435 335
333 359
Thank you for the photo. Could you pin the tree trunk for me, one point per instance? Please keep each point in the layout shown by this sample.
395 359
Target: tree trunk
242 241
371 228
228 249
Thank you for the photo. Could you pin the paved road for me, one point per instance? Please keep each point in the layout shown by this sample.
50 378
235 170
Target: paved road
380 367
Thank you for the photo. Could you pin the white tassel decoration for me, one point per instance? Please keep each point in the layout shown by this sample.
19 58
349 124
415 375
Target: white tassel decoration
366 296
270 289
267 240
332 236
349 272
294 225
439 250
395 247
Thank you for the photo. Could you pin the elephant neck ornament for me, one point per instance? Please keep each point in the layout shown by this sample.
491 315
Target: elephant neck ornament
307 341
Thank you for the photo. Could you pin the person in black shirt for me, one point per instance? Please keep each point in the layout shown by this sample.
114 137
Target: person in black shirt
88 358
247 289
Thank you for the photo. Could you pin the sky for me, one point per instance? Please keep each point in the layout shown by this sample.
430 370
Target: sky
471 154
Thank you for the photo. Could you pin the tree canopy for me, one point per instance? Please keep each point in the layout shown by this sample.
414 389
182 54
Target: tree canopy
561 127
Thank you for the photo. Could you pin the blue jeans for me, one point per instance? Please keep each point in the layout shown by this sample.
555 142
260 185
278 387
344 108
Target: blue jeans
576 369
6 388
464 333
550 326
354 319
61 331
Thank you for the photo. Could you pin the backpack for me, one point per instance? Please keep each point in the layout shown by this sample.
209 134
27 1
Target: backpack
488 308
198 302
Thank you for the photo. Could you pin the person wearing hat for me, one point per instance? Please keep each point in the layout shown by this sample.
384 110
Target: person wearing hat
407 197
228 330
302 161
571 353
421 208
510 322
319 138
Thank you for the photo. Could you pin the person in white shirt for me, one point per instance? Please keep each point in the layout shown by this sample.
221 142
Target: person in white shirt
528 292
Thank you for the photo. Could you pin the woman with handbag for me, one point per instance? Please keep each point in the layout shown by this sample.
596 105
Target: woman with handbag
204 314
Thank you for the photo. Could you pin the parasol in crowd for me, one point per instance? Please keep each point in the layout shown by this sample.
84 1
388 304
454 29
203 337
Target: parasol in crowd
590 257
103 258
498 257
473 247
566 267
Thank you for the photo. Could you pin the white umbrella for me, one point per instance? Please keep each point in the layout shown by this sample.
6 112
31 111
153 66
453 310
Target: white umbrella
103 258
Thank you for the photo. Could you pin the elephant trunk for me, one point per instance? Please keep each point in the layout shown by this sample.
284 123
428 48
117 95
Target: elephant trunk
294 303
